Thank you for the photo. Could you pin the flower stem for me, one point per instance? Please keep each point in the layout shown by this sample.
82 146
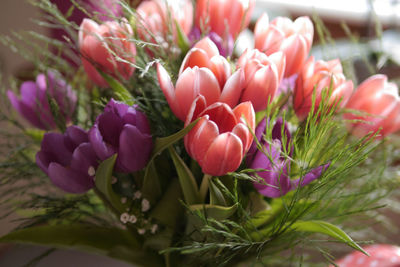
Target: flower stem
204 186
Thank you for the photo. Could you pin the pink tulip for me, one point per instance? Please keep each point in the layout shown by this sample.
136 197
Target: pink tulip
98 45
379 99
157 16
262 76
320 75
294 39
224 17
205 54
193 82
221 137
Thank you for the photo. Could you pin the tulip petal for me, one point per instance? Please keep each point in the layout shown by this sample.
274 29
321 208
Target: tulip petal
222 115
168 89
200 138
295 49
134 149
102 149
262 87
195 57
69 180
84 159
208 47
192 83
245 136
224 155
233 89
244 112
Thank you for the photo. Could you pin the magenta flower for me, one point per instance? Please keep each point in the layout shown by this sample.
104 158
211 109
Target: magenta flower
276 175
68 159
124 130
34 106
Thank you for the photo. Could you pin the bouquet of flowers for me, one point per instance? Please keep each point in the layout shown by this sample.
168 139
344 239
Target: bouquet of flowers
149 137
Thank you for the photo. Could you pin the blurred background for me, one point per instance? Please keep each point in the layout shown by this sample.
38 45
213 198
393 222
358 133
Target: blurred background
365 33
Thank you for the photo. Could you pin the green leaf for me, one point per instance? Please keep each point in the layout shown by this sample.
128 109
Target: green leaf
111 242
216 196
169 207
119 90
186 179
214 211
103 185
36 134
264 217
183 42
162 143
326 229
151 187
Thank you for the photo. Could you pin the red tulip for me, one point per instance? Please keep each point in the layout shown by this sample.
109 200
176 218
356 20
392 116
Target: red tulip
320 75
380 255
98 45
223 16
294 39
221 137
196 81
157 16
380 100
205 54
262 76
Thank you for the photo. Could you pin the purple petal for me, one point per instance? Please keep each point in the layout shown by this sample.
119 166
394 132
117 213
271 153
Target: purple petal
134 149
276 181
84 158
110 126
43 160
137 118
76 136
69 180
310 176
53 144
260 130
116 107
41 81
102 150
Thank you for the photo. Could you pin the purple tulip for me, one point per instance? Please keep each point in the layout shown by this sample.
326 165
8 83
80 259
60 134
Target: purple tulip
225 47
276 175
68 159
124 130
34 105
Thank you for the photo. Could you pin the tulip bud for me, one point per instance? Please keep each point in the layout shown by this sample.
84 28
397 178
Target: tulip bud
158 17
98 46
221 137
34 105
379 99
276 181
68 159
294 39
224 17
124 130
262 76
318 76
193 82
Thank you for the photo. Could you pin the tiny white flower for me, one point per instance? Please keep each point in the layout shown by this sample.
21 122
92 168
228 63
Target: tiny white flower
91 171
141 231
137 195
154 228
123 200
132 219
145 205
114 180
124 217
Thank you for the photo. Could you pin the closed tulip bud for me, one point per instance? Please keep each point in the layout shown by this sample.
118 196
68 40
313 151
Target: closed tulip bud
318 76
379 100
221 137
294 39
205 54
34 105
68 159
193 82
157 16
224 17
262 76
275 177
124 130
98 46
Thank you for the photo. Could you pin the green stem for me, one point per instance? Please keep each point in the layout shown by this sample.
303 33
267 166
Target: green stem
204 187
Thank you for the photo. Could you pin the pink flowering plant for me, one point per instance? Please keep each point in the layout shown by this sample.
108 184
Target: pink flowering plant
144 136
